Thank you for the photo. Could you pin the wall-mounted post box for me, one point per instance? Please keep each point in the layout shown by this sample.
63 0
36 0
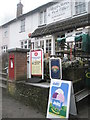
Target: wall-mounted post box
11 66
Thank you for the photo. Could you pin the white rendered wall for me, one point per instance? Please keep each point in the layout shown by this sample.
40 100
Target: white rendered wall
31 23
0 39
5 36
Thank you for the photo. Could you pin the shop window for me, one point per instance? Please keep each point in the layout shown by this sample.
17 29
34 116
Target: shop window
29 44
48 46
32 45
78 45
42 44
36 44
78 40
26 44
80 6
70 45
60 42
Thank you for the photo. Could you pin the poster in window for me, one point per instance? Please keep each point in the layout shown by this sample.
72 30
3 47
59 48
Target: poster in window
59 99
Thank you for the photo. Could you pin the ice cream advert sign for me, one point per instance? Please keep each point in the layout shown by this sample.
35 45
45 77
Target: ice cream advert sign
59 99
55 68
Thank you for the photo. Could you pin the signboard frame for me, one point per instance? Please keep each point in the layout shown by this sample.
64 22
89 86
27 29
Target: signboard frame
40 51
59 11
59 67
58 85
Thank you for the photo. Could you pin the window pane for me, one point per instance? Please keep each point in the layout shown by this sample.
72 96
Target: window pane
26 42
25 46
22 25
80 6
48 46
21 43
41 18
45 16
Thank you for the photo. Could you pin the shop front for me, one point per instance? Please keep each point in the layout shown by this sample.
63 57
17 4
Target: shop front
69 40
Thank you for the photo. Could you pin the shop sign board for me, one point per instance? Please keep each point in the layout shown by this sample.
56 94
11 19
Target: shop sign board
55 68
36 62
59 11
59 99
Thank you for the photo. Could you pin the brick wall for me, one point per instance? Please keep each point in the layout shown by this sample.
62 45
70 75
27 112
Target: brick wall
20 66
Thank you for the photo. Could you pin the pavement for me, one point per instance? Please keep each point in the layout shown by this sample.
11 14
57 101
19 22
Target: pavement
83 109
0 103
12 108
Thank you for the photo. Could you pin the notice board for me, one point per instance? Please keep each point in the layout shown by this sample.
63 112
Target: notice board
36 62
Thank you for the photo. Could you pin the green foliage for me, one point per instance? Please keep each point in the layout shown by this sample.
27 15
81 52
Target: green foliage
61 112
46 69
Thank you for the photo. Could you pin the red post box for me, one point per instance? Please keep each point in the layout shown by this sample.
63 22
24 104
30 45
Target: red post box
11 66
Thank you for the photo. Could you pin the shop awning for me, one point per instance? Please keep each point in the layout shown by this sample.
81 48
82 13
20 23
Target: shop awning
62 26
78 37
82 37
85 41
61 39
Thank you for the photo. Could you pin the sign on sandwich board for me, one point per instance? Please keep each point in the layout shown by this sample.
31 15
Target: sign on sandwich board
59 99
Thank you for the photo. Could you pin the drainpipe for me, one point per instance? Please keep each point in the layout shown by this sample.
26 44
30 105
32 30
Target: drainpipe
53 45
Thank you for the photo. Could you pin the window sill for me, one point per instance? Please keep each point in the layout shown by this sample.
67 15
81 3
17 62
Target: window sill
79 14
21 31
42 25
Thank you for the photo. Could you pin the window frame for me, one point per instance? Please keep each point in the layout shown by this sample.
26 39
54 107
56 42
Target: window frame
80 7
22 27
48 46
42 17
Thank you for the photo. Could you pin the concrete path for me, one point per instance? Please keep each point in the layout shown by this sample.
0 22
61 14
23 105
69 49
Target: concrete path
0 103
14 109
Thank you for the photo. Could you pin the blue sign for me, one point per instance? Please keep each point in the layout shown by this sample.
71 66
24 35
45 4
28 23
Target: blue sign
59 99
55 68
